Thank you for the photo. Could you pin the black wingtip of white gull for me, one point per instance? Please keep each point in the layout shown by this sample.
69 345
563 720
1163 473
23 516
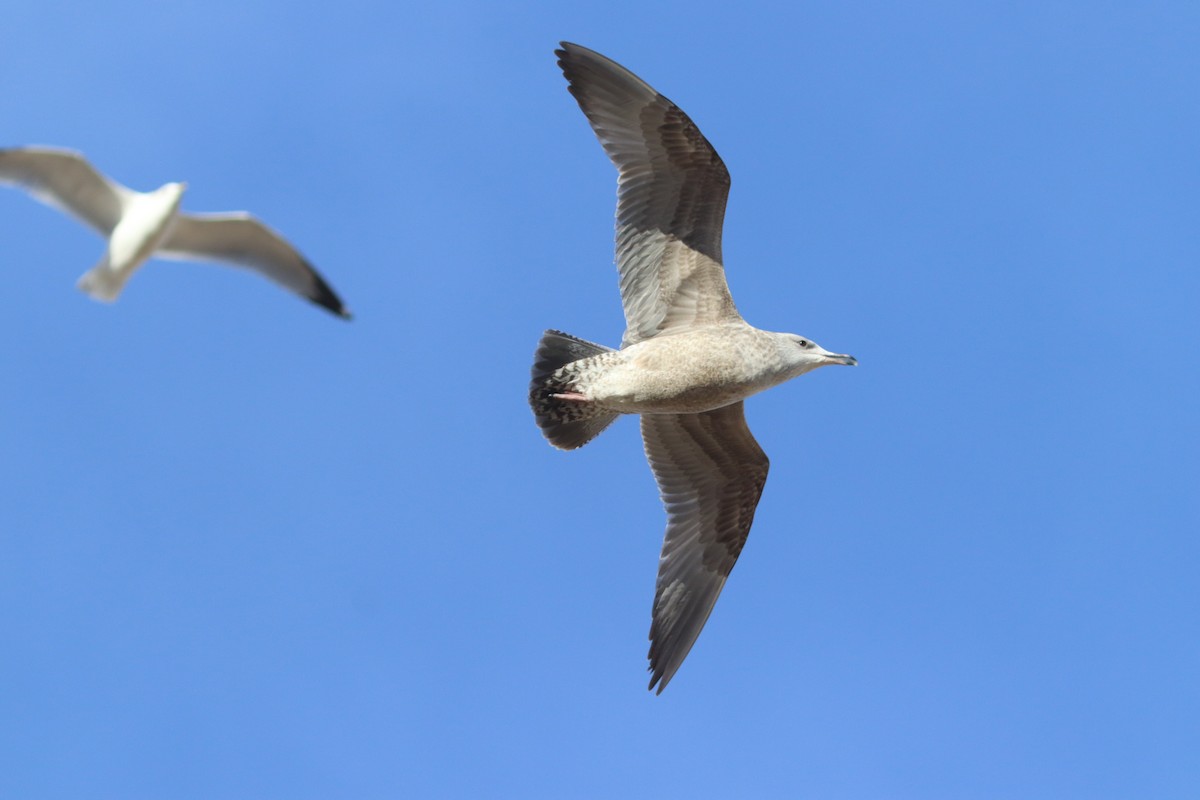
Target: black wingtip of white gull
324 296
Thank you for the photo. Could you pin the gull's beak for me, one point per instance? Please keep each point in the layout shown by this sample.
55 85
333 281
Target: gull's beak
842 358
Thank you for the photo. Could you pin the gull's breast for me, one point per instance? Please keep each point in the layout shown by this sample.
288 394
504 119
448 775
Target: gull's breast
688 372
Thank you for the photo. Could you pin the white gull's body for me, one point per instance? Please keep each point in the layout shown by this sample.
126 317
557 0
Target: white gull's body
687 360
142 225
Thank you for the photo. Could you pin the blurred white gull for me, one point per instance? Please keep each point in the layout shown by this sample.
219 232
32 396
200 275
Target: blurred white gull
687 359
141 225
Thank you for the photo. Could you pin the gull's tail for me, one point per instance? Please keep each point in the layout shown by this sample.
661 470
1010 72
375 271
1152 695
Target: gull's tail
101 282
567 423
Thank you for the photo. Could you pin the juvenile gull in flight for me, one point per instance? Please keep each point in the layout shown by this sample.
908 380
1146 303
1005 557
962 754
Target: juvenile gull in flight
140 225
687 359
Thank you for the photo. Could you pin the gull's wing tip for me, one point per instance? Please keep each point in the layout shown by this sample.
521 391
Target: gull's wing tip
324 296
339 311
572 57
569 53
662 667
333 304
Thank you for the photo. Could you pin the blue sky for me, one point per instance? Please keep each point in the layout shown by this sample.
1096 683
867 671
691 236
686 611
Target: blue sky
249 550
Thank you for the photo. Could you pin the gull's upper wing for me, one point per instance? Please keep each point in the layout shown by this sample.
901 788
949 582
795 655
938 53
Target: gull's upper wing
671 192
710 472
66 180
243 239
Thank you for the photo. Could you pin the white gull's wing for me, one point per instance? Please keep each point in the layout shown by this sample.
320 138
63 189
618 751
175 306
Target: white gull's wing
243 239
671 192
710 472
66 180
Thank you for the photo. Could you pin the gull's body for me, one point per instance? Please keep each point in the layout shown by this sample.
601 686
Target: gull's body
142 225
687 360
708 368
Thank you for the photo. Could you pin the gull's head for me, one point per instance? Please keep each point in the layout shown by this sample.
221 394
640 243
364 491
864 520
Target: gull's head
177 189
801 354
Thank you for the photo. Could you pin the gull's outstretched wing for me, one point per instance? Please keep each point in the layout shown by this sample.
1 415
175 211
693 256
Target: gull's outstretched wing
710 472
243 239
671 192
66 180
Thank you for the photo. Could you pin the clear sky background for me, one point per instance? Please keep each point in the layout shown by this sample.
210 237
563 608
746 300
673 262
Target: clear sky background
250 550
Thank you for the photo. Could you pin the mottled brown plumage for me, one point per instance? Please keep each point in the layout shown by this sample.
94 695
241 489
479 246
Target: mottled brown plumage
687 359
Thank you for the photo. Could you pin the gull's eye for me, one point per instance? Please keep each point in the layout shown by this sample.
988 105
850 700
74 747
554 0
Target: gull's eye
804 343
